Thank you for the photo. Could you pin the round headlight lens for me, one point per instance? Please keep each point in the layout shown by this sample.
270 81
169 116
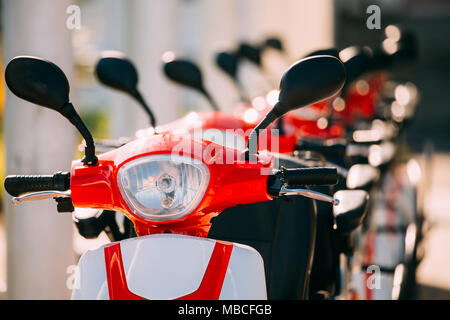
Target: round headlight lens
163 187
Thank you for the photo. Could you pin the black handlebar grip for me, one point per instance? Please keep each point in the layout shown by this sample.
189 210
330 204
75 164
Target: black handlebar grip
309 176
335 150
16 185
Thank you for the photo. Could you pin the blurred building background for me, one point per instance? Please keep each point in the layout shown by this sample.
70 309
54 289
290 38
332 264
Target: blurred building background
38 244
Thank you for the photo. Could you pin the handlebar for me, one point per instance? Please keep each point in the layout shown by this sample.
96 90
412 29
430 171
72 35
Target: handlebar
333 150
309 176
297 177
16 185
287 182
19 184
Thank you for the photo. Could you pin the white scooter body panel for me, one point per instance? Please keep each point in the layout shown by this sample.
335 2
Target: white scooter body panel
169 266
90 279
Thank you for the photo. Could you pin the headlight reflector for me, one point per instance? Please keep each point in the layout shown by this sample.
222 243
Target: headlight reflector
163 187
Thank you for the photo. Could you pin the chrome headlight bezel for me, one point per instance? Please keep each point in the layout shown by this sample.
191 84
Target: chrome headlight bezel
173 162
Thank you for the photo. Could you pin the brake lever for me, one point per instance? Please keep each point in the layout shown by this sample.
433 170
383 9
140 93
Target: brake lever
308 194
33 196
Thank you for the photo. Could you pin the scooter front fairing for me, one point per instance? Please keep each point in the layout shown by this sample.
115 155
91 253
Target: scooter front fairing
170 266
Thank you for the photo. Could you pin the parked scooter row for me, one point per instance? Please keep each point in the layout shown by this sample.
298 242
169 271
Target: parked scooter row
172 182
394 227
187 73
379 153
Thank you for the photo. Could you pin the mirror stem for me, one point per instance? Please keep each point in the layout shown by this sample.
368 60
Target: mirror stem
137 95
280 126
252 145
68 111
242 95
211 100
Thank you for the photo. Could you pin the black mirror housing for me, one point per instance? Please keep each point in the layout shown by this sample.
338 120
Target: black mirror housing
274 43
38 81
118 73
307 81
250 52
358 64
228 62
43 83
310 80
185 73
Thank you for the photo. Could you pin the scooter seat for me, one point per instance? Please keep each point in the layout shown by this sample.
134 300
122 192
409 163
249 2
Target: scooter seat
362 176
351 210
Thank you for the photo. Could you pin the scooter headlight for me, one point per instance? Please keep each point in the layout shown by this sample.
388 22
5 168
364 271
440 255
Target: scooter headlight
163 187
